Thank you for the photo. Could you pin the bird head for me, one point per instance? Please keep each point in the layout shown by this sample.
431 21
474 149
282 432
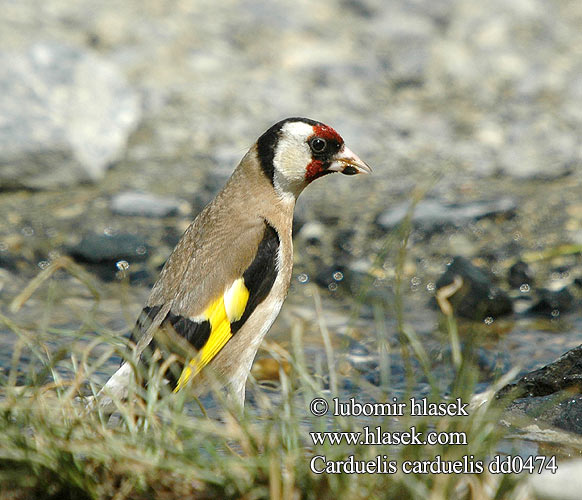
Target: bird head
296 151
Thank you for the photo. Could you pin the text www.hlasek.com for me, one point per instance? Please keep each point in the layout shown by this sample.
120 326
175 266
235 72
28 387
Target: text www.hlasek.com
385 464
375 436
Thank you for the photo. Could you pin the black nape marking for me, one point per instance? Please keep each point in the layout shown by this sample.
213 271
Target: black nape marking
267 143
261 274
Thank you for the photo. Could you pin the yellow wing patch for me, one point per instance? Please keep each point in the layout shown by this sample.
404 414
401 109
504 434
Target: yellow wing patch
220 313
235 300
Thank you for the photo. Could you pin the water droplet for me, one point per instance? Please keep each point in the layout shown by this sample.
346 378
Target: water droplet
338 276
141 250
43 264
27 231
122 265
488 320
430 286
332 287
555 313
524 288
415 281
303 278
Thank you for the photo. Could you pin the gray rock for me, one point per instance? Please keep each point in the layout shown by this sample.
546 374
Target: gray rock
563 374
147 205
66 114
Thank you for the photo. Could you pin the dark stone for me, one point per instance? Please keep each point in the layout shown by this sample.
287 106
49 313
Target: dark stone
431 216
100 248
563 374
520 274
478 297
552 303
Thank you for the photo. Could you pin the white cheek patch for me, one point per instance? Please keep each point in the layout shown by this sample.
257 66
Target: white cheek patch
292 157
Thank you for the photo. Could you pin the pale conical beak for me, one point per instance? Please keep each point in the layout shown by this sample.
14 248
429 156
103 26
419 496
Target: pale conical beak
348 163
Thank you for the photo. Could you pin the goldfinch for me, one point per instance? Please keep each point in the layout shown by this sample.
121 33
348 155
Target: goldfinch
224 284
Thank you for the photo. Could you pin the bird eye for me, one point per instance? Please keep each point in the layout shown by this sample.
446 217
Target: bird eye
318 145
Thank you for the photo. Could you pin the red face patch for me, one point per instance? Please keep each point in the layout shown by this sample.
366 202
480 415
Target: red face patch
327 132
313 170
318 167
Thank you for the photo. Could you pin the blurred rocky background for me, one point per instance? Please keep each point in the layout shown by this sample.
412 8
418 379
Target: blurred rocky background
119 121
